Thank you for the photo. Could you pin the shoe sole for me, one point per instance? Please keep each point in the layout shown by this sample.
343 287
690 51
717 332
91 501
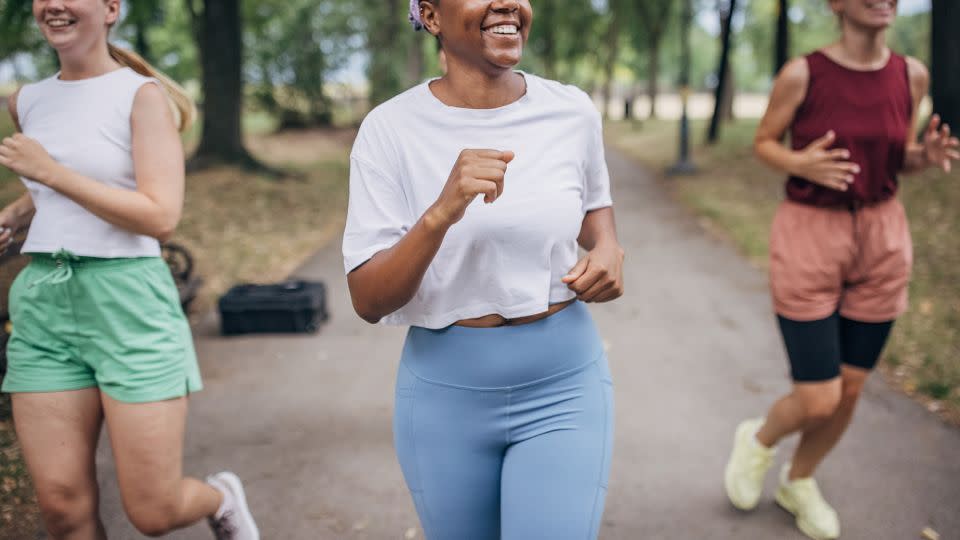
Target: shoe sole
728 480
236 486
804 527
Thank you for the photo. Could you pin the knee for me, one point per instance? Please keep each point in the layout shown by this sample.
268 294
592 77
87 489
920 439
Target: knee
819 408
154 518
66 509
851 392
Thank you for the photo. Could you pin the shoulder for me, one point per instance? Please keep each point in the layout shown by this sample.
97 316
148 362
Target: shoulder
562 95
795 75
12 108
382 125
918 73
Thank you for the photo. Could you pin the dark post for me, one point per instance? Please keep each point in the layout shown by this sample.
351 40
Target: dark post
945 69
783 36
684 165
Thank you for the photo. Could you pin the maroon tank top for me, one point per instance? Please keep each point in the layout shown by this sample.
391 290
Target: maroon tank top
870 111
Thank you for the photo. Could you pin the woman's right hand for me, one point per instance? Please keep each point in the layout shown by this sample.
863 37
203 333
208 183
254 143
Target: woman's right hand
476 172
828 168
9 224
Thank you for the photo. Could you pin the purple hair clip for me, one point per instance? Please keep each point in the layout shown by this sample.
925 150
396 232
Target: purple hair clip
415 18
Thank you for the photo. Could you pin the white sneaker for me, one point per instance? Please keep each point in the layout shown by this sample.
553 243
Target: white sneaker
233 520
748 465
802 498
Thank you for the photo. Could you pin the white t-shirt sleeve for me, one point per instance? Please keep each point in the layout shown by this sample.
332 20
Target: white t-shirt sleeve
596 192
377 214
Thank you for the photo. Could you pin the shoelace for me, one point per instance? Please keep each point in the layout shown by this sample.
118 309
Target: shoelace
62 272
759 463
222 527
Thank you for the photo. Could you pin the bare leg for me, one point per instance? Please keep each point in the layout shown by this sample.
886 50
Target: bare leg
807 406
58 432
147 441
816 443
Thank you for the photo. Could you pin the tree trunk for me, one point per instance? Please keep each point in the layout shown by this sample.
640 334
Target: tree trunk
945 72
782 53
613 52
653 77
221 57
723 72
547 14
383 35
140 41
415 64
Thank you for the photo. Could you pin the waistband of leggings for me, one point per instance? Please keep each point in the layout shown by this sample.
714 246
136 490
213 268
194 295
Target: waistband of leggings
504 356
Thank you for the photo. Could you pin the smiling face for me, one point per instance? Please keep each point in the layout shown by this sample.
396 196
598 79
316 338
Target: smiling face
75 24
873 14
488 34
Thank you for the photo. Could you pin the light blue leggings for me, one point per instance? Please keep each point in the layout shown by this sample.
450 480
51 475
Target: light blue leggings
506 433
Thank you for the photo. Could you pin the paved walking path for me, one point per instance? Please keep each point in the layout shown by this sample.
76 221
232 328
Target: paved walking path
306 420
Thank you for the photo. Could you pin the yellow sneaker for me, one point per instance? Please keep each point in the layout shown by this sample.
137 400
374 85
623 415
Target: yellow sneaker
802 498
748 465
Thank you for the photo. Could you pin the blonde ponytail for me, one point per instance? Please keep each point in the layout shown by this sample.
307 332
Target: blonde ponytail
185 111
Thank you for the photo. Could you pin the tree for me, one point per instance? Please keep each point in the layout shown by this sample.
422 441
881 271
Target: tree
387 48
782 47
218 31
723 89
654 17
946 61
563 34
294 45
612 50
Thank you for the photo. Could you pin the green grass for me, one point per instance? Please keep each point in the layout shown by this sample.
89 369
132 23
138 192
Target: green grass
736 197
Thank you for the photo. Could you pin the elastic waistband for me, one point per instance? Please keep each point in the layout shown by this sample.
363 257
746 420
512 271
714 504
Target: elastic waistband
504 356
63 257
849 206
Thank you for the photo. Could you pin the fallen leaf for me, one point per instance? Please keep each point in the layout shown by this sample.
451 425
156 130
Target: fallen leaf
930 534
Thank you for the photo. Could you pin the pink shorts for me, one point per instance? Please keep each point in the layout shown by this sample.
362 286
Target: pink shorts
827 259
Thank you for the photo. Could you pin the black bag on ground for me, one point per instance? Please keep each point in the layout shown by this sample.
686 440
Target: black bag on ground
289 307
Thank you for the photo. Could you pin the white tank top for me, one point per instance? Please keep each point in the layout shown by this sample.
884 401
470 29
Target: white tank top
85 126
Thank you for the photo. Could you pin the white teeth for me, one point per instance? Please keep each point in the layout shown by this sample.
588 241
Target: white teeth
58 23
504 29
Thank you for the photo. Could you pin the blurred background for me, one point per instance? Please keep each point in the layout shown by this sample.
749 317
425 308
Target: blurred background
283 84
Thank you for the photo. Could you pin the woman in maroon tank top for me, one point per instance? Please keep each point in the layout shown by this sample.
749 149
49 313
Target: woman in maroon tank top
840 249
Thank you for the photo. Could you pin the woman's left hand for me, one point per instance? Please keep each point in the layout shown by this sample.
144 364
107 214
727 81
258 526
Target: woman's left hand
939 148
27 158
598 277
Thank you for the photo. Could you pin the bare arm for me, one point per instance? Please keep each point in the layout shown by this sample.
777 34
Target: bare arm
816 162
390 279
937 148
17 215
155 207
598 277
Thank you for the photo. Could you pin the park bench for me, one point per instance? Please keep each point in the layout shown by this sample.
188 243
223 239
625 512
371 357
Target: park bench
177 257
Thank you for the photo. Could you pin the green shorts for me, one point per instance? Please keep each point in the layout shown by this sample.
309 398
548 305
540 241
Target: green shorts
115 324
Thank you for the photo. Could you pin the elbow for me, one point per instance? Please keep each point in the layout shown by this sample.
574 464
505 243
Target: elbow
164 228
366 310
367 314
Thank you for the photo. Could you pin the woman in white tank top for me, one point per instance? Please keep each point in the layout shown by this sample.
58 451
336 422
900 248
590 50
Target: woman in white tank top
98 333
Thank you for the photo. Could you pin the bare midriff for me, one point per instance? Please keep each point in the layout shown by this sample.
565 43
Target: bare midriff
494 320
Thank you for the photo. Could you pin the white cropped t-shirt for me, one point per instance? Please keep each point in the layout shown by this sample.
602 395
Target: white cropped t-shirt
85 126
504 258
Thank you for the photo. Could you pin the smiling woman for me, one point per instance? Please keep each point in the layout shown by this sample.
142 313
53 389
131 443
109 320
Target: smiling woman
469 195
100 156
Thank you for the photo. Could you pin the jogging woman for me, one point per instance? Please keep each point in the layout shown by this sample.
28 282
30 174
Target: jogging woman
468 197
98 332
840 248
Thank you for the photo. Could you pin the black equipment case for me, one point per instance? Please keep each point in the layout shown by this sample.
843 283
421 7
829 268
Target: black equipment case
289 307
